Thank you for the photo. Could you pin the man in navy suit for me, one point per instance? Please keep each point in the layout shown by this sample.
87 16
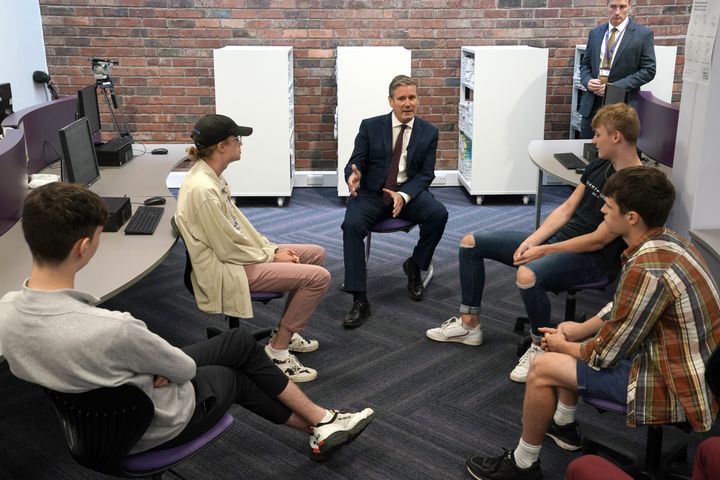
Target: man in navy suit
624 57
388 174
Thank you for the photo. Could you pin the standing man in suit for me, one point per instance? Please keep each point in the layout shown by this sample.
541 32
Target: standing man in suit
620 52
388 174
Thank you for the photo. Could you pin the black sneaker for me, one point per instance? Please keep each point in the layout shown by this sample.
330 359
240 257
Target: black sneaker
501 468
566 436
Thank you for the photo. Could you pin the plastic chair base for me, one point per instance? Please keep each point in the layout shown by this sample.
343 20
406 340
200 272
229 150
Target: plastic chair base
654 464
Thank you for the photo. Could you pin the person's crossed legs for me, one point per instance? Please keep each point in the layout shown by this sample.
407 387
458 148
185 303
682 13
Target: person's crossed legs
232 368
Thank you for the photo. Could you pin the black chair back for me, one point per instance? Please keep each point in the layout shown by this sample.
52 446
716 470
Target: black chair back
101 426
188 264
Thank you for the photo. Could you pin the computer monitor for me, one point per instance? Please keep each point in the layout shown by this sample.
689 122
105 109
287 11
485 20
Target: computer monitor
88 107
614 94
80 161
658 128
5 101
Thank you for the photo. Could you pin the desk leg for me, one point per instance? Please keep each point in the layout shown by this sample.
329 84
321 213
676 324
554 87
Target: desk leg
538 198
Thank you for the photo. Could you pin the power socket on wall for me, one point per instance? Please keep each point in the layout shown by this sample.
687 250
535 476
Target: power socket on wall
314 180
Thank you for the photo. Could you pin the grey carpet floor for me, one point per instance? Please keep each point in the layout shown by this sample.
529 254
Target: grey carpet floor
436 403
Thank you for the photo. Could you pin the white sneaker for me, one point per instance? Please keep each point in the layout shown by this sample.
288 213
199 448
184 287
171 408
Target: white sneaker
520 372
292 367
452 330
343 428
297 343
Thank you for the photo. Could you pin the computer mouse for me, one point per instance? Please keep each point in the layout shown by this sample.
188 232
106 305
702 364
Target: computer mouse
154 201
159 151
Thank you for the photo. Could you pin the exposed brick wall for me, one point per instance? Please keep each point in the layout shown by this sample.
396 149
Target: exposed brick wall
165 76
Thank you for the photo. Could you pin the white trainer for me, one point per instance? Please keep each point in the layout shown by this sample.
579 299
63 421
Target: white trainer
452 330
343 428
520 372
292 367
298 344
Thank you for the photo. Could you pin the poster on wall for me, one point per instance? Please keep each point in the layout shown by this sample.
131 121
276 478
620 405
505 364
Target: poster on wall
700 40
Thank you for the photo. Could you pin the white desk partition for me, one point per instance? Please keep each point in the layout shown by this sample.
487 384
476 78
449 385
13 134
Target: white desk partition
363 76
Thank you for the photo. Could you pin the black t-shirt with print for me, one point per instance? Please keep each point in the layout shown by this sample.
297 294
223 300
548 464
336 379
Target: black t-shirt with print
587 216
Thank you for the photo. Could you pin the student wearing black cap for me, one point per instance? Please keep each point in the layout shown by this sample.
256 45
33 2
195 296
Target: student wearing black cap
230 258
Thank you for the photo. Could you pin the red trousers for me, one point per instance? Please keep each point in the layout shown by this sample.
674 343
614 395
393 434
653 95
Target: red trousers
591 467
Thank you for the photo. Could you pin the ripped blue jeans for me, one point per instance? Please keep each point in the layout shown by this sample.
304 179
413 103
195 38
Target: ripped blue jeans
553 272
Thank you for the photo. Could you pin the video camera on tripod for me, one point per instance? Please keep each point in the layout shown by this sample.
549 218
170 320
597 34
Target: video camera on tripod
101 69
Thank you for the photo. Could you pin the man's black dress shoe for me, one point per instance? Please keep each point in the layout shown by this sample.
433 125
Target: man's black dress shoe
357 315
415 285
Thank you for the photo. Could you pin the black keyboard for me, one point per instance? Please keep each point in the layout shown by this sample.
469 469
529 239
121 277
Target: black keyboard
569 160
144 221
114 144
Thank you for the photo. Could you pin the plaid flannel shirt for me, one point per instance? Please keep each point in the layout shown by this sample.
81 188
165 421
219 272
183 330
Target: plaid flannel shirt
665 317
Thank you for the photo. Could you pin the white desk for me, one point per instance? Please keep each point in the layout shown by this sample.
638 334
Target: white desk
121 260
541 153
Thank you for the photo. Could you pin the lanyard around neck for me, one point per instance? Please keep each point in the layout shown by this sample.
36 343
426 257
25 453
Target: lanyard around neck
610 49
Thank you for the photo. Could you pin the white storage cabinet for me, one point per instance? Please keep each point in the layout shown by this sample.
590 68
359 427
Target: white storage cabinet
363 76
254 86
502 108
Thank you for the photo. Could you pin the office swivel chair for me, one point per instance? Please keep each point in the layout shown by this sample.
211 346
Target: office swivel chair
658 457
233 322
390 225
101 426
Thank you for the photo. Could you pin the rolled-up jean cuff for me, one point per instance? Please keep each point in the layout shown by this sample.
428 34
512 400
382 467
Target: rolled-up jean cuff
469 310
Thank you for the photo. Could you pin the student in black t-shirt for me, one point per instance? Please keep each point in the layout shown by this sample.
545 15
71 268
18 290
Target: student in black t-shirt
571 247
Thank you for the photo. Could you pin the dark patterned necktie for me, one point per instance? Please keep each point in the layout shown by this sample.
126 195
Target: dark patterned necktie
391 179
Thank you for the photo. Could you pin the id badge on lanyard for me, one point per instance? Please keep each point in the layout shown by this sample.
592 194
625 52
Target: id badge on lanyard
604 74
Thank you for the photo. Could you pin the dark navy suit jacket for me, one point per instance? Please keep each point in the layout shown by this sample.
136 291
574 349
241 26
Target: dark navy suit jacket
633 66
373 149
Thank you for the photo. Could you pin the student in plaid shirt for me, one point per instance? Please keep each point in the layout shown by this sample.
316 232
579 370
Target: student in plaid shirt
647 348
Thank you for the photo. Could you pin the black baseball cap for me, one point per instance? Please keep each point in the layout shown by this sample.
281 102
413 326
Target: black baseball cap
215 128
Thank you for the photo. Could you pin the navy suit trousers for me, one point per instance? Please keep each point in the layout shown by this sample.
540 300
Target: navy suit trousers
366 210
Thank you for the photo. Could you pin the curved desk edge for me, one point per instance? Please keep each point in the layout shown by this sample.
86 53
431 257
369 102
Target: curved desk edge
121 260
707 242
541 154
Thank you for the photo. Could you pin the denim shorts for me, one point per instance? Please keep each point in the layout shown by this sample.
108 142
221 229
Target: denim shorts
605 384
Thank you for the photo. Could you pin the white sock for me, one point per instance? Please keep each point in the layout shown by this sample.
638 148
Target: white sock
564 414
277 354
526 454
328 416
